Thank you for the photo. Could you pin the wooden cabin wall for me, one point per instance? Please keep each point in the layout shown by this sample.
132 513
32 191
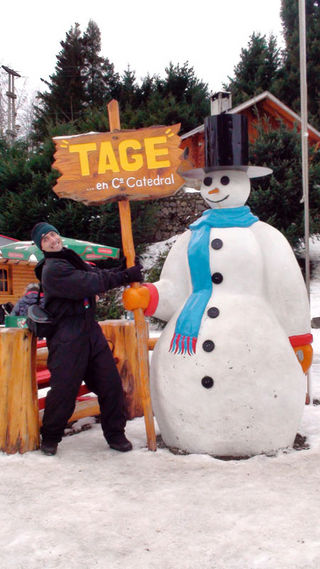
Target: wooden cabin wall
195 144
20 275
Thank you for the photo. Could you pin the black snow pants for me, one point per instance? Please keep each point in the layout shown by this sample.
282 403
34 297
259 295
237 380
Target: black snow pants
78 352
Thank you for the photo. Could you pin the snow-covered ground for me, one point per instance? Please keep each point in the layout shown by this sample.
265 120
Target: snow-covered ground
91 507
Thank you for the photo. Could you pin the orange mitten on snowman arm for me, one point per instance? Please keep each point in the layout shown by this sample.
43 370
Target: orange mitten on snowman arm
303 350
145 297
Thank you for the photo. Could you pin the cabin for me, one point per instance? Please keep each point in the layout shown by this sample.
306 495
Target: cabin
264 107
14 277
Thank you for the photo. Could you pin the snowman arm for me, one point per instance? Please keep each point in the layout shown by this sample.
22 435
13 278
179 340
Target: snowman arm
169 293
301 340
153 299
284 285
302 347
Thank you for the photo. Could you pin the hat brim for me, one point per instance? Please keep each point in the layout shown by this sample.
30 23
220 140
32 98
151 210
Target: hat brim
251 171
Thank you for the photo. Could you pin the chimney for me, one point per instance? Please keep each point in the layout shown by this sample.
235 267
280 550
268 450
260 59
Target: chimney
220 102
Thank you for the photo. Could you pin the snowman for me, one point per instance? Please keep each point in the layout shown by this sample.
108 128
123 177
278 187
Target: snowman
227 374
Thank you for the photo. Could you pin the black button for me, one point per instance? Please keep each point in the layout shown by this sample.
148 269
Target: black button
208 346
216 244
224 180
217 278
207 381
207 181
213 312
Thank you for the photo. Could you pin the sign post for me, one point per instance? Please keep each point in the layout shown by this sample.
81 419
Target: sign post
122 165
139 319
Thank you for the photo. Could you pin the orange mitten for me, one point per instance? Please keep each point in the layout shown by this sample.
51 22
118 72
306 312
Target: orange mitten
304 355
133 298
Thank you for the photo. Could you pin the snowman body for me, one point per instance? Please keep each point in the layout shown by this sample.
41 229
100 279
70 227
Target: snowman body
242 392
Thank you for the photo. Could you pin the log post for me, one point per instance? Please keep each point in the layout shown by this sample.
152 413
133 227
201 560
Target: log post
19 414
140 323
122 335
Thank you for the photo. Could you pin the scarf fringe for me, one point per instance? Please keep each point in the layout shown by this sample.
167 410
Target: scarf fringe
183 345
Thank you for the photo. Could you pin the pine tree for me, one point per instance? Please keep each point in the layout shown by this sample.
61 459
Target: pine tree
277 199
129 90
177 98
101 83
287 88
26 182
257 69
64 100
189 93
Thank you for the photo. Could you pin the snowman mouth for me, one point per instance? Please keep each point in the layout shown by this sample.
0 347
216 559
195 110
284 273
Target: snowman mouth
218 201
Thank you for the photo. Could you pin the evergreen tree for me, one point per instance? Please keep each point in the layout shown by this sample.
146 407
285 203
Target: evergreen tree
277 199
26 182
84 81
178 98
101 83
64 100
190 95
287 88
129 90
257 69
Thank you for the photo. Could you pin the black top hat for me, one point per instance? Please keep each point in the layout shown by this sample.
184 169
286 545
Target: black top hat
226 147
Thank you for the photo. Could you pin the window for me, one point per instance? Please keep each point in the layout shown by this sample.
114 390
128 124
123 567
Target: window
4 280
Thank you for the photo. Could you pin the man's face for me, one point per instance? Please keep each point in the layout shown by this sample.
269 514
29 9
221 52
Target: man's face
51 242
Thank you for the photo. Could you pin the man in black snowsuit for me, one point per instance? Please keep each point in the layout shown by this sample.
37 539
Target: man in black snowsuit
78 350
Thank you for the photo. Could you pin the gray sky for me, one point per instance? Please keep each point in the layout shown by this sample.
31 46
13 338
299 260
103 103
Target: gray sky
144 34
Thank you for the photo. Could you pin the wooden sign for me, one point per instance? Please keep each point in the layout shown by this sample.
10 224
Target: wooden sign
132 164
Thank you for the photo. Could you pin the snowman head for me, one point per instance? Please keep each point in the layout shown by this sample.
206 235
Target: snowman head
225 188
225 178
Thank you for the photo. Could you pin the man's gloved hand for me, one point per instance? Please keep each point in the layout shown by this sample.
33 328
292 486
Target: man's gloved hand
133 298
121 267
134 274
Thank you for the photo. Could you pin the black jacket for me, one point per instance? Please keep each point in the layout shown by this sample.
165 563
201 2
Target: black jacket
70 285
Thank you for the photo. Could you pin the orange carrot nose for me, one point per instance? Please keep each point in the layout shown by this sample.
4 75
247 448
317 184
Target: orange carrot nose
214 191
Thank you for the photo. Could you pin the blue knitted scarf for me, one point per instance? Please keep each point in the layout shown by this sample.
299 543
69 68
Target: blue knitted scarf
184 340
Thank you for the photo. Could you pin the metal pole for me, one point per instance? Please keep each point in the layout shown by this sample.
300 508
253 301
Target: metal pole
304 149
11 130
304 135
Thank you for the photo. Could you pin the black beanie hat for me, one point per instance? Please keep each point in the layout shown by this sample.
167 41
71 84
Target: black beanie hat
40 230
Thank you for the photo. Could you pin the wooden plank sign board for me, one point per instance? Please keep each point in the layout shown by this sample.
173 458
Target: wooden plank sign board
123 164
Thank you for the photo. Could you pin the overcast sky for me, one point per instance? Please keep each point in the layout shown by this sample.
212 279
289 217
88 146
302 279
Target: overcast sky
144 34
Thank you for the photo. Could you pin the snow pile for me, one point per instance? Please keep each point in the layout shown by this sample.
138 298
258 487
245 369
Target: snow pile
153 251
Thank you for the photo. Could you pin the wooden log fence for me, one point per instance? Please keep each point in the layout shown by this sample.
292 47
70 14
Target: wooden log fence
19 414
23 365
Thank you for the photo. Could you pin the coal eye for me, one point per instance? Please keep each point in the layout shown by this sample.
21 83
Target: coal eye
207 181
225 180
